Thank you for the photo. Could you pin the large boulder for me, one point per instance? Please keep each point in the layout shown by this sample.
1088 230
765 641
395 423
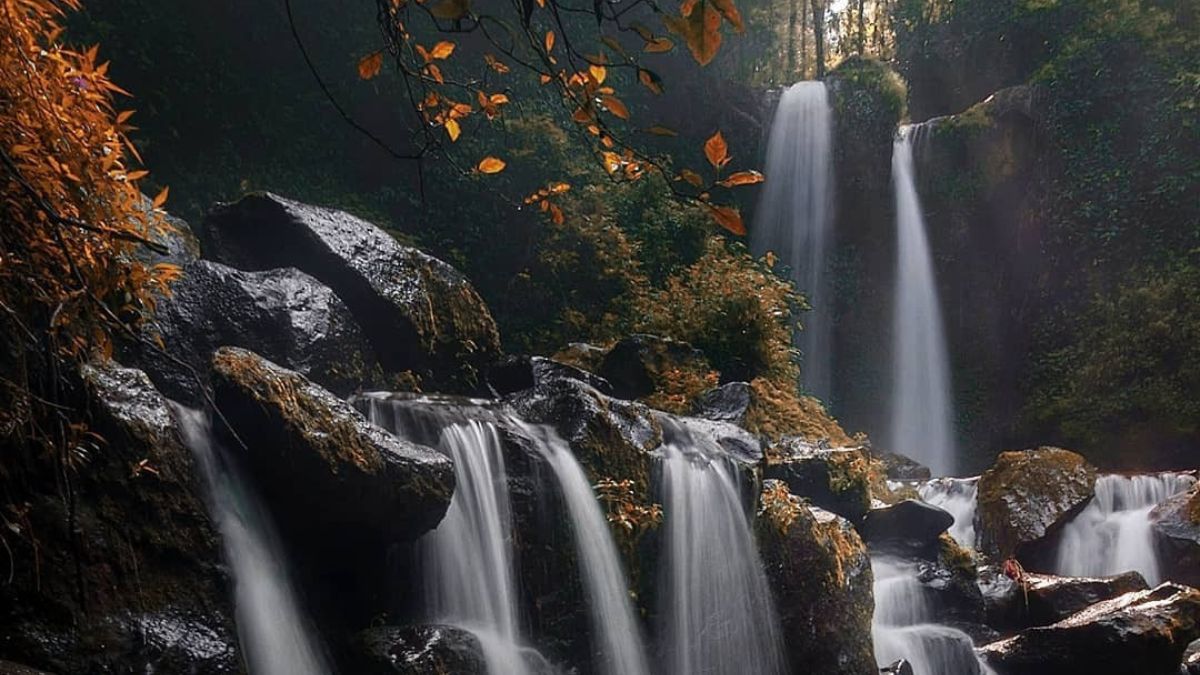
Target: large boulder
429 649
908 526
1028 494
638 365
1043 599
517 373
821 580
420 314
124 575
1176 524
1144 632
285 314
330 477
836 479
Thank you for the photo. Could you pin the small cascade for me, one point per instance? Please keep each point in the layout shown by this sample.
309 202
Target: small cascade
903 626
1113 533
620 645
717 615
271 627
922 409
794 216
957 496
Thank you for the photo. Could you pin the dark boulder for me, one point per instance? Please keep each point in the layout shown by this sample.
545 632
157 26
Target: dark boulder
516 373
1043 599
417 650
1176 524
951 583
820 576
285 314
908 526
900 667
901 467
125 577
1027 495
729 402
636 365
836 479
419 313
331 478
1191 660
1144 632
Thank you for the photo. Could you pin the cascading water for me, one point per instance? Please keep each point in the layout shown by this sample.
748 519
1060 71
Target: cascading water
957 496
271 627
717 616
1113 533
620 647
903 626
921 402
794 216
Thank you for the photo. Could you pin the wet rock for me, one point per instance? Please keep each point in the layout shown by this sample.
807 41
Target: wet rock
1028 494
1144 632
1044 599
582 355
331 478
836 479
419 313
636 365
1176 524
417 650
1191 660
10 668
125 577
900 667
285 314
734 442
900 467
517 373
951 582
821 580
727 403
182 246
907 527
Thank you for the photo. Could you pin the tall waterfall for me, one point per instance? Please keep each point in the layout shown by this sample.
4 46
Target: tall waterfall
921 402
958 496
620 647
794 216
717 616
903 626
1113 533
271 627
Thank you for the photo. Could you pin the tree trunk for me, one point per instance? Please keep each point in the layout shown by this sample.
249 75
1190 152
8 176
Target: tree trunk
791 42
818 16
862 27
803 38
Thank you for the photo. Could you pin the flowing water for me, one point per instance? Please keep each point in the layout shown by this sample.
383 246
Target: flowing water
903 626
922 408
621 650
1113 533
794 216
272 629
717 616
957 496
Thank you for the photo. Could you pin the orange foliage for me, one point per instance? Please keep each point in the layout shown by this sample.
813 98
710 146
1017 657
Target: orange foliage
73 216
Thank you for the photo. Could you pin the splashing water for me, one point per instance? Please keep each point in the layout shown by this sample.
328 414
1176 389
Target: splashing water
903 626
957 496
921 397
1113 533
271 626
794 216
717 617
621 650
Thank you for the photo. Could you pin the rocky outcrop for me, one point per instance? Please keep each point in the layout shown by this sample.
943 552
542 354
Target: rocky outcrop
729 402
836 479
1176 524
417 650
821 579
331 478
1144 632
1043 599
906 527
284 314
518 373
419 313
637 365
125 575
901 467
1026 495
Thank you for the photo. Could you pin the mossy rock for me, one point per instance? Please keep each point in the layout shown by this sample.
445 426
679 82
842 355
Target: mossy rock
835 479
1176 524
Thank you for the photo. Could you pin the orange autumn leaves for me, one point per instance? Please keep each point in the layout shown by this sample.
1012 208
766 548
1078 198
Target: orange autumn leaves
716 151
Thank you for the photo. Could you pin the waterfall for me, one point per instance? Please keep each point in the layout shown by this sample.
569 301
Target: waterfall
467 561
794 216
717 617
957 496
620 643
1113 533
271 627
903 628
921 398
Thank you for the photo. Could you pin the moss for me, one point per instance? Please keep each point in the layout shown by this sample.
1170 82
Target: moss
954 556
777 411
869 88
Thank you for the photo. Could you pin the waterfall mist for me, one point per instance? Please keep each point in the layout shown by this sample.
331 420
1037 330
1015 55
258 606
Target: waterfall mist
921 405
272 629
794 216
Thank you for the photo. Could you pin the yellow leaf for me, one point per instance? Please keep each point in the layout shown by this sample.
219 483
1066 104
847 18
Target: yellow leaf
650 81
598 73
728 218
692 177
659 45
742 178
491 164
700 30
442 50
132 175
161 198
730 12
612 161
659 130
615 106
435 73
716 150
124 115
452 129
495 64
498 99
559 187
544 78
451 9
369 65
549 41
